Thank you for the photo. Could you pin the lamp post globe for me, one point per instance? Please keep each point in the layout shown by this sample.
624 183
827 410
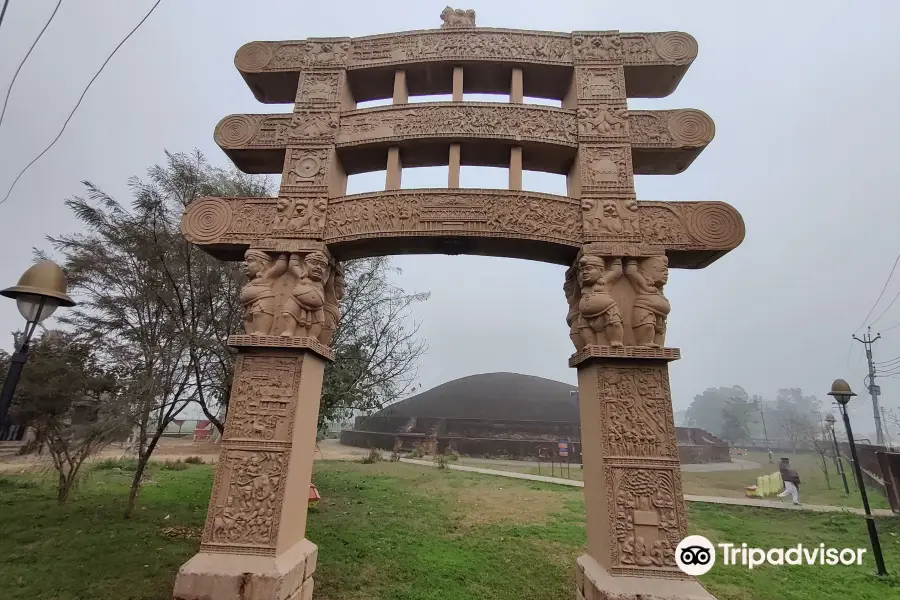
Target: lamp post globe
829 421
40 291
841 392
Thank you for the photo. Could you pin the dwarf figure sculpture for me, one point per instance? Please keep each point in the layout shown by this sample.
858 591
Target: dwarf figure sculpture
598 308
303 314
257 295
651 307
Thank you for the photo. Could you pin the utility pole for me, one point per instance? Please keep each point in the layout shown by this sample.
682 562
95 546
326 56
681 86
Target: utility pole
874 390
887 433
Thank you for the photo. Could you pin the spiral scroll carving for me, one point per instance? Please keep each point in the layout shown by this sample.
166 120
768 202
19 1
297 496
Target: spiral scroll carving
675 46
716 224
235 130
206 220
253 56
691 127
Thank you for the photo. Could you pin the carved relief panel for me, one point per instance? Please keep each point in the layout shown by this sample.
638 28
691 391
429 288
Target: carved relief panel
246 502
646 514
473 45
637 413
306 169
610 218
251 131
605 121
596 46
308 126
320 87
481 120
473 212
600 83
666 48
606 168
262 399
325 53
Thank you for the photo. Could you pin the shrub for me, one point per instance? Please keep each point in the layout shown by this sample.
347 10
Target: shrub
194 460
440 460
174 465
373 457
123 464
452 455
418 451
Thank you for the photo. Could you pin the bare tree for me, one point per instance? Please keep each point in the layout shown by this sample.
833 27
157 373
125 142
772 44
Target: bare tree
376 347
814 434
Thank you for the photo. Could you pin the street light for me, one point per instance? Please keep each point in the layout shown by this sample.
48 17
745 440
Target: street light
41 290
759 407
841 392
838 464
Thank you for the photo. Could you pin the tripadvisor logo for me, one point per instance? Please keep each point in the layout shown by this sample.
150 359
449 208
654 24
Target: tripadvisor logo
695 555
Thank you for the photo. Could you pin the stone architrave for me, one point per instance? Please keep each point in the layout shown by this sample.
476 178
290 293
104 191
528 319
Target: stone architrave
618 251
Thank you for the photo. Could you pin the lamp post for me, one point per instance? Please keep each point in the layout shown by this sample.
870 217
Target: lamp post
40 291
841 392
758 405
838 464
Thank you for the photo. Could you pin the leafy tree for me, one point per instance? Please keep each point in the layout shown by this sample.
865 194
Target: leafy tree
705 411
792 414
160 308
74 401
736 417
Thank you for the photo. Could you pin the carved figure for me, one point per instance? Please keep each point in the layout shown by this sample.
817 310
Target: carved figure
257 295
457 18
334 292
597 306
598 84
573 318
303 314
602 121
284 208
651 307
604 169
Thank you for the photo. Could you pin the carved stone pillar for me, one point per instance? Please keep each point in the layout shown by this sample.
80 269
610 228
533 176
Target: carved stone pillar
254 545
617 320
394 169
457 84
401 93
453 168
515 168
632 478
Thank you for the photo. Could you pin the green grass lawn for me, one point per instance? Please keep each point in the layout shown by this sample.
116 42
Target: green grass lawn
814 489
393 531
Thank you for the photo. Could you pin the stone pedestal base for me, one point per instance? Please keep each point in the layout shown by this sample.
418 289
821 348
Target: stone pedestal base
240 577
593 582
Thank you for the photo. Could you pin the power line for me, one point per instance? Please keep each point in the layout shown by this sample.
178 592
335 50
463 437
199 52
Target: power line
894 326
27 54
3 12
887 309
83 94
887 281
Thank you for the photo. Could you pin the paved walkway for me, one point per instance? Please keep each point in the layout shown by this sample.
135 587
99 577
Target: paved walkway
878 512
736 464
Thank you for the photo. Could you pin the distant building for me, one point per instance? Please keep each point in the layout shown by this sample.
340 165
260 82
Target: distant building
500 414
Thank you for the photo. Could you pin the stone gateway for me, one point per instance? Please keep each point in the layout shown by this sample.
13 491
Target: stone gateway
618 251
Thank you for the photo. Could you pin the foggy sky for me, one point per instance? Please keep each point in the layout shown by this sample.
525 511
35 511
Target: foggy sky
804 99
